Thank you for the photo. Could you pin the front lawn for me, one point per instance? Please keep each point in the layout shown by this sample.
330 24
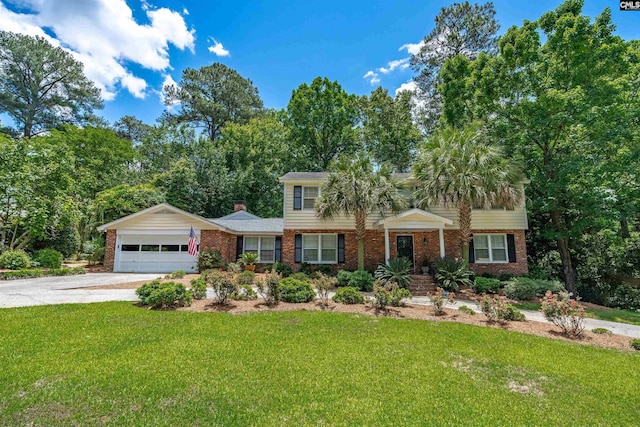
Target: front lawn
117 364
631 317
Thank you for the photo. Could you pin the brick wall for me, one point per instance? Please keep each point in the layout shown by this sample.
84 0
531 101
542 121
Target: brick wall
109 249
219 240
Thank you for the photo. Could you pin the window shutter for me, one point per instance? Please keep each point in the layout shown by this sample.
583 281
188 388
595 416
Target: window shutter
297 198
239 245
298 248
340 247
511 247
278 251
472 254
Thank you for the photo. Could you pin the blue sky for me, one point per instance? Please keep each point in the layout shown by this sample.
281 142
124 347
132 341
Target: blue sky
132 47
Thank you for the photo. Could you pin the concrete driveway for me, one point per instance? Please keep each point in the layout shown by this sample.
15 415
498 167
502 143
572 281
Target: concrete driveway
61 290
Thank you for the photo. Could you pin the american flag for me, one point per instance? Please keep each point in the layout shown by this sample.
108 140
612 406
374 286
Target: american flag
193 243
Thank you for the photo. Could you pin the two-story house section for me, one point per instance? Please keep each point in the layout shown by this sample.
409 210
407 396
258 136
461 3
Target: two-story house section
155 239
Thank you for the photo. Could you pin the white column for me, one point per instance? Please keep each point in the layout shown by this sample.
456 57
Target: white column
441 242
387 254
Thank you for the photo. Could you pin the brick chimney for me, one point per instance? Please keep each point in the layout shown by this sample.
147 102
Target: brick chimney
239 205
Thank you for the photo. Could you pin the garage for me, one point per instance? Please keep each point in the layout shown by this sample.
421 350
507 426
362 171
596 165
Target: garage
154 253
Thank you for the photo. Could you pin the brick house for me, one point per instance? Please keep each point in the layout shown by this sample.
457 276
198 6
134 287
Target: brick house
155 239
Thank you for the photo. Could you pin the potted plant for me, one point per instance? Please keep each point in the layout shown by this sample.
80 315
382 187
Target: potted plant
249 260
426 266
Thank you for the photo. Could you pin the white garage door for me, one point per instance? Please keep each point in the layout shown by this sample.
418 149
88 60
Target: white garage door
154 254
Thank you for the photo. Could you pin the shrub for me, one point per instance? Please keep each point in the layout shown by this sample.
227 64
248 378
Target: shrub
635 343
525 288
343 277
300 276
48 258
495 308
209 259
362 280
306 268
488 275
249 258
233 267
323 285
389 295
625 297
31 273
164 294
451 273
296 291
439 298
348 295
15 260
600 331
467 310
178 274
96 256
325 269
66 241
223 286
269 288
564 312
505 277
513 314
245 278
396 270
483 285
282 269
198 288
244 293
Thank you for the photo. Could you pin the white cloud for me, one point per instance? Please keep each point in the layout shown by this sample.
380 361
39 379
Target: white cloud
185 11
412 48
410 86
372 76
402 64
104 35
218 49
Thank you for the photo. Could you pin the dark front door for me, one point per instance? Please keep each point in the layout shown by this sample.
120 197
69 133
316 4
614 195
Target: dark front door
405 247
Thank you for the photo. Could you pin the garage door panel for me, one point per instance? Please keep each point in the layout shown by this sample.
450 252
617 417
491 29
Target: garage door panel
145 253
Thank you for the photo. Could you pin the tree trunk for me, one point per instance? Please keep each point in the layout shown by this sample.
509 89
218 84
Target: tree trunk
568 271
361 224
464 221
624 228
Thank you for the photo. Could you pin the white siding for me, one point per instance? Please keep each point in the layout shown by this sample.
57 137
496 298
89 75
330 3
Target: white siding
494 219
162 221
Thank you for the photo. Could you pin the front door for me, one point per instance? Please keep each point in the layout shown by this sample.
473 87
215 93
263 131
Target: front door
405 247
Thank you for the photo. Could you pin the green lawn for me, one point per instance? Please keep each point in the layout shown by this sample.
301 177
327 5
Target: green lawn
117 364
631 317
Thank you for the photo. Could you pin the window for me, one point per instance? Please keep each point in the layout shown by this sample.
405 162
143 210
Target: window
320 248
150 248
309 195
130 248
265 246
170 248
490 247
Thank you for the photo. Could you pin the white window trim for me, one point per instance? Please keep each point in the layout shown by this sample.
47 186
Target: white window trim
244 243
304 187
319 248
490 260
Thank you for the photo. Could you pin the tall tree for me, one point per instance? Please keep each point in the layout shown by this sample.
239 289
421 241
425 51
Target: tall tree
321 118
212 96
132 128
560 103
461 29
42 86
457 169
388 130
353 188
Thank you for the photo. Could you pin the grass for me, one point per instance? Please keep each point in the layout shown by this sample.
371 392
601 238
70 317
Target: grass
116 364
631 317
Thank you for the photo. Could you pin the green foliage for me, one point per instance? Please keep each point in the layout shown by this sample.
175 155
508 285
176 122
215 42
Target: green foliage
439 298
209 259
42 85
513 314
249 258
466 310
348 295
32 273
15 260
269 288
635 343
396 270
223 286
496 309
600 331
524 288
324 284
625 297
198 288
564 312
65 240
296 291
282 269
213 96
125 199
245 278
178 274
48 258
483 285
234 267
300 276
361 279
244 293
325 269
451 273
343 277
389 295
157 294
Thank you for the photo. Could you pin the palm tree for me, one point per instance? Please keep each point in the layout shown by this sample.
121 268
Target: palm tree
456 168
353 188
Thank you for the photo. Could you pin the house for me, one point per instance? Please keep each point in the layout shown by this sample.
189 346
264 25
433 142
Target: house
155 239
